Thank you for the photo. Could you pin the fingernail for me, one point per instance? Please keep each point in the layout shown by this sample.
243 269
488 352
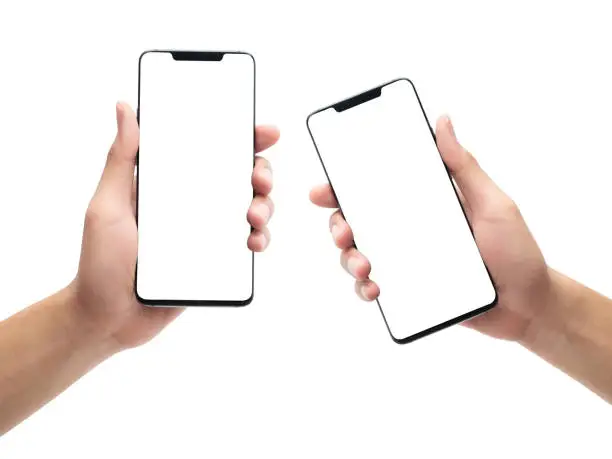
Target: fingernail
336 230
363 291
352 265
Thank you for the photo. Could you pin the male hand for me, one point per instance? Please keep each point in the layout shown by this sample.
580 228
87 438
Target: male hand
516 264
104 286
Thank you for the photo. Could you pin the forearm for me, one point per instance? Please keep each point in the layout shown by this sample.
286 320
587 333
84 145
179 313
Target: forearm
43 350
574 333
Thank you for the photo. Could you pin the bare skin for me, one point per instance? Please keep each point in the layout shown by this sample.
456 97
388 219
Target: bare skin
564 322
49 345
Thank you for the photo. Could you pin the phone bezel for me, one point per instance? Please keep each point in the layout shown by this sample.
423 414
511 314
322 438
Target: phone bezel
364 97
198 56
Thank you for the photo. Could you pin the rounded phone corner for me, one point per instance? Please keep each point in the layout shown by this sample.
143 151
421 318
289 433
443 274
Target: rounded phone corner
246 302
144 53
250 55
240 53
141 299
406 79
396 340
309 117
402 341
494 302
400 80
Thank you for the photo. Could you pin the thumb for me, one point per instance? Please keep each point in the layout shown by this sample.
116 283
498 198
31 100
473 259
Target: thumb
118 175
474 183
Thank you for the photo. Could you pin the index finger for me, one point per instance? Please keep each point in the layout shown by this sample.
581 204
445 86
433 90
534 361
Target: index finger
323 196
265 137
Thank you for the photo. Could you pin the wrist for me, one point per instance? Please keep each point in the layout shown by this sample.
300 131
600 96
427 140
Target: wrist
556 319
84 329
573 334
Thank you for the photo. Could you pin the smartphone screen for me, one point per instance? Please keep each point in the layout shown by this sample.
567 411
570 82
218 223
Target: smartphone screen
380 157
196 156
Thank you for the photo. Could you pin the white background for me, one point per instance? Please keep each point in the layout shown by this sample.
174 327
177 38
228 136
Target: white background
307 370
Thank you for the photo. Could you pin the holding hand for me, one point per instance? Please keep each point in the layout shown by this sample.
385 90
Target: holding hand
505 243
104 286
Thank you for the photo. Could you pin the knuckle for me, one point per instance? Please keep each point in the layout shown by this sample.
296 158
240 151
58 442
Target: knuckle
507 208
94 213
511 207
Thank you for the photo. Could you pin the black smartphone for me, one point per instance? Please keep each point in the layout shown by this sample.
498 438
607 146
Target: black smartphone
380 157
196 112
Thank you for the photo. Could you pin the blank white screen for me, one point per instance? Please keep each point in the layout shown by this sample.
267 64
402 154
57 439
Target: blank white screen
396 195
195 166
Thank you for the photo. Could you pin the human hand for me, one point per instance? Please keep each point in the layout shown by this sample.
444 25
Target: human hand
509 250
104 285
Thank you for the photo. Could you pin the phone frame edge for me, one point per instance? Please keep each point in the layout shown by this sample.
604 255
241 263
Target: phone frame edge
446 324
192 303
